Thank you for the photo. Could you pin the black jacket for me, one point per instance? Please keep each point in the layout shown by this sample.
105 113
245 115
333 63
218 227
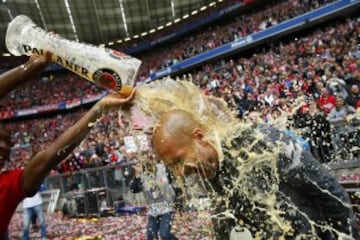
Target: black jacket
277 195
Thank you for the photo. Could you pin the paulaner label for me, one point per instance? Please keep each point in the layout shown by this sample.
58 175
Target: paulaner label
107 78
102 66
64 62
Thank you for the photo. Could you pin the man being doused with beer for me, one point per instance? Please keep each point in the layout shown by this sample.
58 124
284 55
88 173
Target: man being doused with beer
262 184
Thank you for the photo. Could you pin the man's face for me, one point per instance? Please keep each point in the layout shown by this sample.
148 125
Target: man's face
5 144
186 154
354 89
340 102
254 117
324 92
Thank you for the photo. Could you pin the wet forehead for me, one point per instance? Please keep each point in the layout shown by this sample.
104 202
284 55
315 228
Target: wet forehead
162 143
167 146
170 136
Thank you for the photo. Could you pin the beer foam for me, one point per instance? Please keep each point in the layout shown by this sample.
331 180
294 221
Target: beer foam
257 177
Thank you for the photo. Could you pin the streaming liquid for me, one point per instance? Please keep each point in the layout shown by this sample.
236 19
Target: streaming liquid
258 175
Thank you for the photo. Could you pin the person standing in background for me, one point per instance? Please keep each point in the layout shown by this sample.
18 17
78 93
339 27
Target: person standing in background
160 196
33 206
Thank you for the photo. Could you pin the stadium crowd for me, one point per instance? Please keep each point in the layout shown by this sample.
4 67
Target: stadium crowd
34 94
325 58
215 36
319 66
49 90
103 145
317 70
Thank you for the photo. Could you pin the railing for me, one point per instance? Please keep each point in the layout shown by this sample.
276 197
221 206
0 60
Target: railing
109 177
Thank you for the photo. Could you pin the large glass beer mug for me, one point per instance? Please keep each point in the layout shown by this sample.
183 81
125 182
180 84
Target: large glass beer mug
105 67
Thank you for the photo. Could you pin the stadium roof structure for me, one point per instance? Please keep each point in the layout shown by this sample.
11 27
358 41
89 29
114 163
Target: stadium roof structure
98 21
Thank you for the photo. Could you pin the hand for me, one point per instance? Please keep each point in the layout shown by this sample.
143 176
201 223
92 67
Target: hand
113 100
38 62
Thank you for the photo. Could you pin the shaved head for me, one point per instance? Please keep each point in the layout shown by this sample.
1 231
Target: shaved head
175 124
173 131
187 125
179 140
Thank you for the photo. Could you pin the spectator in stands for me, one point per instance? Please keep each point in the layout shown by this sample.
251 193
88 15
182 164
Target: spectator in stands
341 129
354 96
33 206
338 115
316 128
255 118
327 101
20 183
336 85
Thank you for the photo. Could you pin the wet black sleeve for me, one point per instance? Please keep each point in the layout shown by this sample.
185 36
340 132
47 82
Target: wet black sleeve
303 173
314 181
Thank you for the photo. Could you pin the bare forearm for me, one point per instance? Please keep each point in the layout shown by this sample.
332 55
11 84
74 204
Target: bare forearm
19 75
66 142
42 163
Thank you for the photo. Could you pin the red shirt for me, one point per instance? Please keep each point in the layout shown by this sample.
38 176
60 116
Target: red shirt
327 103
11 194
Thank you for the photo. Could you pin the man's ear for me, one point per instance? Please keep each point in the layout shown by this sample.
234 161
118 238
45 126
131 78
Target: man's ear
198 133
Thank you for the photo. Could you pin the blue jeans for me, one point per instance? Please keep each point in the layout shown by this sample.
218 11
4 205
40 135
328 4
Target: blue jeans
161 224
28 213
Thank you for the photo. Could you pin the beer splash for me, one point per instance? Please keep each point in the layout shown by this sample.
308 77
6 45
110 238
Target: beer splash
257 177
